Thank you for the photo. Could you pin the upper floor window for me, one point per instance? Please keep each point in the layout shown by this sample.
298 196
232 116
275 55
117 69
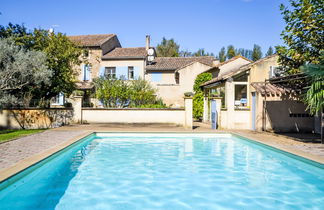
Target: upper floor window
110 72
86 72
274 71
177 78
86 53
130 72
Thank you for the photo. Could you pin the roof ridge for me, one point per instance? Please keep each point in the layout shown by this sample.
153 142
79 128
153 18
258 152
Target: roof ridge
128 47
90 35
187 57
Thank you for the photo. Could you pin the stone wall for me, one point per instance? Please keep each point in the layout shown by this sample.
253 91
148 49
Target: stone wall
35 118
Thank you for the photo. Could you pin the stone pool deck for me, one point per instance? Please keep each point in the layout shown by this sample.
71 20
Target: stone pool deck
23 152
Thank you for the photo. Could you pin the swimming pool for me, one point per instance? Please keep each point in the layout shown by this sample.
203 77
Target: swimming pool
166 171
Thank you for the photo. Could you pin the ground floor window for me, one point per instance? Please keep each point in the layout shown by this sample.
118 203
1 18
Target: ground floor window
110 72
130 72
240 98
58 99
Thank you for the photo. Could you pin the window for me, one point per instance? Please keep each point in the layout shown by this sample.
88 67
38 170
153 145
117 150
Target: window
110 72
85 53
86 72
130 72
177 77
274 72
240 95
58 99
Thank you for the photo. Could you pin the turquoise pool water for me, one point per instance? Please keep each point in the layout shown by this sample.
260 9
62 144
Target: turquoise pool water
166 171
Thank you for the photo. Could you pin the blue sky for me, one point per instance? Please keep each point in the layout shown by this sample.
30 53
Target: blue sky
194 24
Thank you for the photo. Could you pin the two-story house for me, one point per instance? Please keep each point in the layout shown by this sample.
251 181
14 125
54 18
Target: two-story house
172 77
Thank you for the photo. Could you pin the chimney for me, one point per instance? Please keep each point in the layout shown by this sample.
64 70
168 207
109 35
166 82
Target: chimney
147 46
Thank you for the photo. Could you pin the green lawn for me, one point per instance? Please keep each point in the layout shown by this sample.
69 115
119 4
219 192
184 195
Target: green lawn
7 135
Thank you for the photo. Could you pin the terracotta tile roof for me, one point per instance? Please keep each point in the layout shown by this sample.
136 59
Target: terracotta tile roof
270 89
236 71
225 76
120 53
233 59
94 40
174 63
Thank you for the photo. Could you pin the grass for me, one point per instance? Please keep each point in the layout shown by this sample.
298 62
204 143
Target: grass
10 134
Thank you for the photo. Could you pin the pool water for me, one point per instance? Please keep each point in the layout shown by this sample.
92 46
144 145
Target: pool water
166 171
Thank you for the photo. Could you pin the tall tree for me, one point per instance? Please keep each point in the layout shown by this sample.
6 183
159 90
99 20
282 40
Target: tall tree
270 51
21 72
62 56
222 55
256 52
303 34
231 52
202 52
185 53
168 48
245 53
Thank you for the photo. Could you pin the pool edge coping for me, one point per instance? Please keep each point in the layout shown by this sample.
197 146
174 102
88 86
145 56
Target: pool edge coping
293 152
34 159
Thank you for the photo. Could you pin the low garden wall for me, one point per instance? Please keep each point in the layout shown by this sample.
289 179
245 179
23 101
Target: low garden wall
35 118
102 115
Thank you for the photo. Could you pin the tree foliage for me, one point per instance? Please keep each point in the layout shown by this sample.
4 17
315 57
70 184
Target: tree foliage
61 56
245 53
303 34
202 52
168 48
231 52
21 72
198 99
120 93
222 55
315 93
270 51
256 52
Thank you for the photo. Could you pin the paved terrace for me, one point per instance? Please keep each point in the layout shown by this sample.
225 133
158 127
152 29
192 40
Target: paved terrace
20 153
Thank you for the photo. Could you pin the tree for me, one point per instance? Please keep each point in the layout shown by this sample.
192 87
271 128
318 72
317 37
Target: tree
270 51
256 52
231 52
303 34
198 99
185 53
222 55
167 48
202 52
62 56
21 72
315 93
245 53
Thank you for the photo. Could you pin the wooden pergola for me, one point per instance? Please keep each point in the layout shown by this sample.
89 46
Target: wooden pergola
296 83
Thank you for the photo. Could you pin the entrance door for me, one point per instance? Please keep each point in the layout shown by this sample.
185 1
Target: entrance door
253 111
213 114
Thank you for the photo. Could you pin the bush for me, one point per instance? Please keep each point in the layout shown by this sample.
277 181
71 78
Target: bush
120 93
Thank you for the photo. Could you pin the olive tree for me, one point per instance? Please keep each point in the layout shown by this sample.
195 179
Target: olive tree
21 72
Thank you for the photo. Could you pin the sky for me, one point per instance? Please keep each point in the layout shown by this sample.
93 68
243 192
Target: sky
193 24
